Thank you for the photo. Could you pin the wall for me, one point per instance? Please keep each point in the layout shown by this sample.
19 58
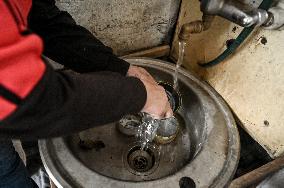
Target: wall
251 81
126 25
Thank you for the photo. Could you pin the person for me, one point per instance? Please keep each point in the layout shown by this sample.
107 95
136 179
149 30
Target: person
38 102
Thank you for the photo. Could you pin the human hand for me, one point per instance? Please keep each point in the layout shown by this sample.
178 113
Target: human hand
157 104
140 73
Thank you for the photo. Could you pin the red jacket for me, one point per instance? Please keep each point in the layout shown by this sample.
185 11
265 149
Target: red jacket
21 65
38 102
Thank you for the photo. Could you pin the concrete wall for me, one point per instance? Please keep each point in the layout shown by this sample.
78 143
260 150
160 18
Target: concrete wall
126 25
251 81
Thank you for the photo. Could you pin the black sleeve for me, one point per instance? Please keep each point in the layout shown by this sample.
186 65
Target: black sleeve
70 44
68 102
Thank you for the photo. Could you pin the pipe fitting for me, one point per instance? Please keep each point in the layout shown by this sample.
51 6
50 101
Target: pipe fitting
257 17
276 17
189 28
195 27
235 11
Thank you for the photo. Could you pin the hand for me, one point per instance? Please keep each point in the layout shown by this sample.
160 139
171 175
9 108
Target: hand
140 73
157 104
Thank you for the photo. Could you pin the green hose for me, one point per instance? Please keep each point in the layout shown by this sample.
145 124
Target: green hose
265 5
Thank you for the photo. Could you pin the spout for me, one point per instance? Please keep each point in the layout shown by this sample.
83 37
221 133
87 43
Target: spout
195 27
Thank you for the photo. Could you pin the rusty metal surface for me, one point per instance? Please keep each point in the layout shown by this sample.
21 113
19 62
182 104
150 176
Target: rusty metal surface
126 25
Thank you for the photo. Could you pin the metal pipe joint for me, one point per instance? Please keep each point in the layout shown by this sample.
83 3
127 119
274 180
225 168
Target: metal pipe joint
235 11
195 27
276 17
244 15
